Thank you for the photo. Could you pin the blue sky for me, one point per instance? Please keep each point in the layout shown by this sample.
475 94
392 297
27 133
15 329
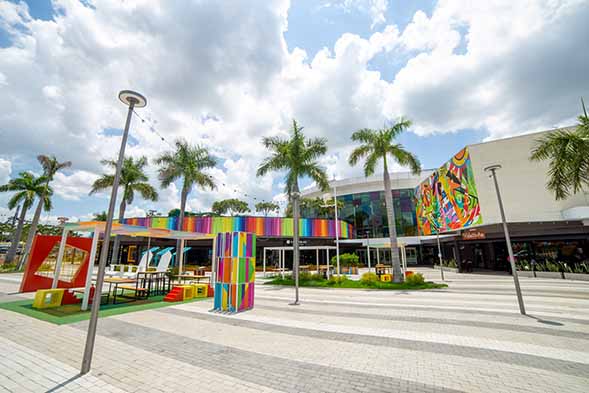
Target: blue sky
225 76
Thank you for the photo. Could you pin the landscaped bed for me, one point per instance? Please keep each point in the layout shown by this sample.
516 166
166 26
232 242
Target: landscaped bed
71 313
368 281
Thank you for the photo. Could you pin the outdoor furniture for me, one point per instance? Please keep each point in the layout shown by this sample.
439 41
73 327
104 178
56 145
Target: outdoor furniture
139 291
381 269
115 281
199 278
48 298
154 281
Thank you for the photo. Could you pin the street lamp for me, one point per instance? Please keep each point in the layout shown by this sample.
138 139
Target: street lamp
132 100
295 195
336 225
368 250
435 225
492 169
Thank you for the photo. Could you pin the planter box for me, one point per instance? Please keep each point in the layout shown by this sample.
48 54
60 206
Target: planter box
549 275
525 273
577 276
447 269
348 270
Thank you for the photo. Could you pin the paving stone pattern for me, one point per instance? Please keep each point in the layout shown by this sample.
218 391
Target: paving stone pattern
467 338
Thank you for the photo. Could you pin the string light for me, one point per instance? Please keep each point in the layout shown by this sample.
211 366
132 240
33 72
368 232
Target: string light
254 199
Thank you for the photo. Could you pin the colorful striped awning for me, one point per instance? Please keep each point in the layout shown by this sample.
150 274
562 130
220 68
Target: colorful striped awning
135 230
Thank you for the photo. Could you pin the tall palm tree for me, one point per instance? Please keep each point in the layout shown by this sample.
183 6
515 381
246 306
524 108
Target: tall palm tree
133 179
296 156
50 166
568 153
376 145
188 163
26 188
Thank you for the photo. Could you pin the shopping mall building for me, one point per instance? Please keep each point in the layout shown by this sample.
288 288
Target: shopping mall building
459 198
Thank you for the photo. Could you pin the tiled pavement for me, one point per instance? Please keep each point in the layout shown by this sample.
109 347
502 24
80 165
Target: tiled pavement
467 338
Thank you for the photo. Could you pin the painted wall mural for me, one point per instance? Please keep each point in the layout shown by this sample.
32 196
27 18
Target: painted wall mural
448 199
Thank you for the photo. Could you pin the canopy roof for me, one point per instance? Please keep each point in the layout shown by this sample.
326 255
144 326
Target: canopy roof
135 231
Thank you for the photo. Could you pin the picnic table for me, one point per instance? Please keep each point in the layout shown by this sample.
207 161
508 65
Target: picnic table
116 281
192 277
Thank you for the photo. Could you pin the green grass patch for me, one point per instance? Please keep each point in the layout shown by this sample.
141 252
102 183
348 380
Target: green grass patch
344 282
71 313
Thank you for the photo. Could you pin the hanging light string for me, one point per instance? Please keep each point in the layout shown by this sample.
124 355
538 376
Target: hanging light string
250 198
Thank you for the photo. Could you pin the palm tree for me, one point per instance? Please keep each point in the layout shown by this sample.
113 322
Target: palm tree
377 145
568 152
188 163
266 207
133 179
298 157
26 187
50 167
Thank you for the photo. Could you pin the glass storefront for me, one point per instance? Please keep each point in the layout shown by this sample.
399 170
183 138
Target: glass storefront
367 213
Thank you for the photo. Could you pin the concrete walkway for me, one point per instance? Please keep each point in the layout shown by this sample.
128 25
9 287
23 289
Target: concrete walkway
466 338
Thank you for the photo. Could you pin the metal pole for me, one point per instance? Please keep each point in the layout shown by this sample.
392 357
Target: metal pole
91 336
440 253
327 264
518 291
336 229
264 261
88 285
59 261
368 252
180 254
317 259
295 245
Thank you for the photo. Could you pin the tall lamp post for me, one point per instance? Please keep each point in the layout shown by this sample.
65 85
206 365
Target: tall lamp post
132 100
437 226
492 169
336 225
368 250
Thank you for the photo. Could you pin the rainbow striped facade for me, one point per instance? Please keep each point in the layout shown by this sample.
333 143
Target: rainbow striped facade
261 226
235 271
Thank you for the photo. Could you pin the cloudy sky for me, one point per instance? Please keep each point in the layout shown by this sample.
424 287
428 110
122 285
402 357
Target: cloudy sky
224 74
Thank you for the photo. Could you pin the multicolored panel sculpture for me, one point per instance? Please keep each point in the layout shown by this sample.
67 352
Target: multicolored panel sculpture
448 199
235 271
261 226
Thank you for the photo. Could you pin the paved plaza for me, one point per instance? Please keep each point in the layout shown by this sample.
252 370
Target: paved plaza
466 338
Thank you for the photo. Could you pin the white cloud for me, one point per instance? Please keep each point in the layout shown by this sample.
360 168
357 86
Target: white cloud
5 171
375 8
72 187
217 76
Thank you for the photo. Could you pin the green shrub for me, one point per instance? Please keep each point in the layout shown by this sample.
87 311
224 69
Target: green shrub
8 267
415 279
346 259
337 280
369 279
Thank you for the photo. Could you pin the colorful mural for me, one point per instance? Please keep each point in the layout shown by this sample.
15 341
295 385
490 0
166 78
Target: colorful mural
261 226
448 199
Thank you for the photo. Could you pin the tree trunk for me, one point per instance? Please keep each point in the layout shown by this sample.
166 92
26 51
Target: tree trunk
116 244
17 234
31 235
183 197
388 198
295 239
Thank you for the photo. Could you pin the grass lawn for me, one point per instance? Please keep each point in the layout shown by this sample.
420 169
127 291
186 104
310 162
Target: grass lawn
347 283
71 313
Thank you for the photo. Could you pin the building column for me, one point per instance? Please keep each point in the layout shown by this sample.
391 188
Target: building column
90 271
264 261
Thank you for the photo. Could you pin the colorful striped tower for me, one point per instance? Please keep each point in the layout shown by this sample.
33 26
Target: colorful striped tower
235 270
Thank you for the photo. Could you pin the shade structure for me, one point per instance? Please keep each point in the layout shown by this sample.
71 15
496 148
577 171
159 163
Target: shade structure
135 231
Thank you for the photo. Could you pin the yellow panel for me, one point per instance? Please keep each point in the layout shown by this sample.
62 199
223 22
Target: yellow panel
48 298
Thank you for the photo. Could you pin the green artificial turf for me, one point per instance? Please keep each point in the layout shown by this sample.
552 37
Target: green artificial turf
347 283
71 313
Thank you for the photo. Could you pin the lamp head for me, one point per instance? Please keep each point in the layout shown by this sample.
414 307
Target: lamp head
492 168
129 97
